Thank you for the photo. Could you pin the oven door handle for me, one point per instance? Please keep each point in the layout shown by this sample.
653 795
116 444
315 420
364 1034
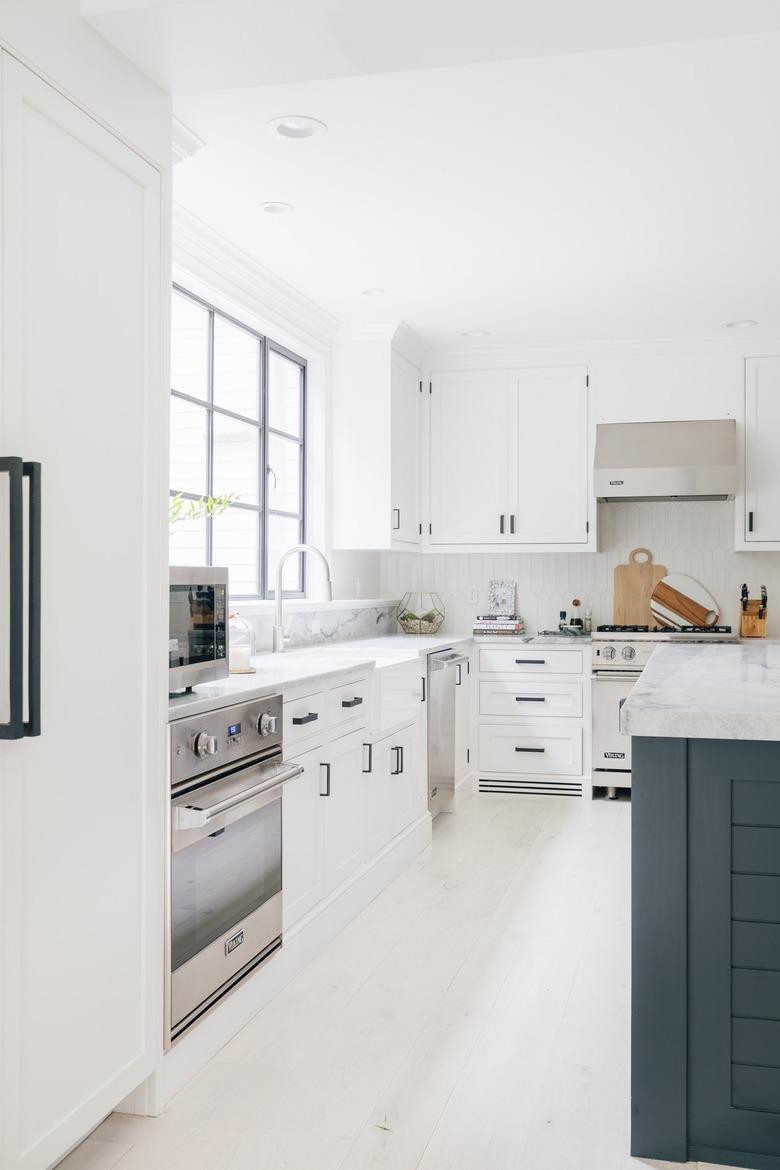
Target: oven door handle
209 817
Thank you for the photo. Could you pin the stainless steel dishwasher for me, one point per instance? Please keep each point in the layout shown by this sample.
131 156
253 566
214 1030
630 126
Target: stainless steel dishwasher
445 672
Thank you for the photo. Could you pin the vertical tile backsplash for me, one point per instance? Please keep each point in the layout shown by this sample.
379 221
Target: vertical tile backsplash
695 538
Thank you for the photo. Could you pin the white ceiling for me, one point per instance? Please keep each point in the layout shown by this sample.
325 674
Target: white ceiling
601 195
221 44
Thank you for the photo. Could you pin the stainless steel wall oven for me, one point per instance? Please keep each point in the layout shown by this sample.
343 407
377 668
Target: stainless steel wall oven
225 878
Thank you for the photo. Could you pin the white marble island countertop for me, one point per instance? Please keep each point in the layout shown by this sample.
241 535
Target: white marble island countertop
726 691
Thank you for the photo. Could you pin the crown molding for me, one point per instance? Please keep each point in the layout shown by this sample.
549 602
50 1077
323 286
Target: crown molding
210 258
397 334
184 141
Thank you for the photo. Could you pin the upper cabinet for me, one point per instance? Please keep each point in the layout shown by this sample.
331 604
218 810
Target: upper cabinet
758 522
377 387
508 460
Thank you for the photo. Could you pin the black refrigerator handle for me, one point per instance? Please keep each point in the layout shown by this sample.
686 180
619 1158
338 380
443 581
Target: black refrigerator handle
33 724
17 727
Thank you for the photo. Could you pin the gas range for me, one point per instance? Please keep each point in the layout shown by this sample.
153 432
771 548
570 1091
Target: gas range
629 647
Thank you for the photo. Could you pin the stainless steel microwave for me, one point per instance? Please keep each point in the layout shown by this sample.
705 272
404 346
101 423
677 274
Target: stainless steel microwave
198 628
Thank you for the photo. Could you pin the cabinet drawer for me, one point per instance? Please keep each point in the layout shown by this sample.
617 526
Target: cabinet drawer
349 703
538 747
305 721
530 698
521 661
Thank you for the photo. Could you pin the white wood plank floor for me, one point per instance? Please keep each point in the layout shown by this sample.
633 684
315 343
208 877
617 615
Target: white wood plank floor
474 1017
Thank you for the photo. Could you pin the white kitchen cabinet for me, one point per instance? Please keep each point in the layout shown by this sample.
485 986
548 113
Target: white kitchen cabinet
761 518
377 389
342 790
84 392
508 460
378 796
469 458
395 785
550 502
302 862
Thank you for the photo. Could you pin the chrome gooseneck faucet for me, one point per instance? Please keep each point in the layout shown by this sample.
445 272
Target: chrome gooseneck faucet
296 548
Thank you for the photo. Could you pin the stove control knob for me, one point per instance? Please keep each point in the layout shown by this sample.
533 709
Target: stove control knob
205 745
628 653
266 724
609 653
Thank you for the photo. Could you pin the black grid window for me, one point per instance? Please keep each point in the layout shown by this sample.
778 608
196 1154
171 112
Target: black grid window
238 411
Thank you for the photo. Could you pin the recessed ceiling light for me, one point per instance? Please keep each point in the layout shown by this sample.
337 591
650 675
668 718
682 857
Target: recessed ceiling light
741 324
275 207
371 292
475 333
296 126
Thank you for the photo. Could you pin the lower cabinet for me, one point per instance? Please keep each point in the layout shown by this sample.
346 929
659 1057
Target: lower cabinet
347 806
342 796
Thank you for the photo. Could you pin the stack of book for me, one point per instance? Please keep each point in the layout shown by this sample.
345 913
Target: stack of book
498 623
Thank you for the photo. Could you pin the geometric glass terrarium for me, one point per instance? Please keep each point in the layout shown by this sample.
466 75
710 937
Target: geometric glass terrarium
420 613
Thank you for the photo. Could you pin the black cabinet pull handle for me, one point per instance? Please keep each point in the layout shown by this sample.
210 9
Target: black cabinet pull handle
512 524
352 702
298 720
399 758
459 679
538 751
370 767
397 521
530 699
501 524
17 727
327 780
530 661
750 521
423 689
402 761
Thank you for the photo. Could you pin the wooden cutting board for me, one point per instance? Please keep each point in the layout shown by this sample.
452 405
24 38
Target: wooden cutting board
679 600
633 587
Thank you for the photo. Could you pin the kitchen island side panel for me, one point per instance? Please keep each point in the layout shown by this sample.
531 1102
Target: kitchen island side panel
659 1025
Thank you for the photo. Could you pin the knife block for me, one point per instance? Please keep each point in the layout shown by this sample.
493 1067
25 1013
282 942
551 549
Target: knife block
751 625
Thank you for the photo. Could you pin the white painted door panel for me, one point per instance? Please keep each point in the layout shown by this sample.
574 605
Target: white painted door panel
469 458
536 747
405 453
81 851
762 466
550 492
302 885
343 809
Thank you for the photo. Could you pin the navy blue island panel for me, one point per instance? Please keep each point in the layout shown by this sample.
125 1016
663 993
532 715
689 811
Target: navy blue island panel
706 951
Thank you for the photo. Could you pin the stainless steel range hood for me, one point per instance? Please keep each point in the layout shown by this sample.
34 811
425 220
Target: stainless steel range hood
666 460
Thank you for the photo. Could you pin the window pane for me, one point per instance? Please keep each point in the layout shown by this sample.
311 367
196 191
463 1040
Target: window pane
285 383
283 533
236 368
189 430
236 458
284 474
189 347
235 543
187 545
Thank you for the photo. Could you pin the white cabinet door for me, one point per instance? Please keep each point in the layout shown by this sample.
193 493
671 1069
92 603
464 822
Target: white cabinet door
408 797
405 453
378 799
469 458
550 472
762 444
302 885
82 850
343 803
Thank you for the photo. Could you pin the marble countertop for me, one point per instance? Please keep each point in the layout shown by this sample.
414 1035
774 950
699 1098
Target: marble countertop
308 664
726 691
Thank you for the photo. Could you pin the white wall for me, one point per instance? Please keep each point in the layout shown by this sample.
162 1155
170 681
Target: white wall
628 383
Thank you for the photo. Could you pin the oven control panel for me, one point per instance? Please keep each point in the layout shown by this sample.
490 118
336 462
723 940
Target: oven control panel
202 743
